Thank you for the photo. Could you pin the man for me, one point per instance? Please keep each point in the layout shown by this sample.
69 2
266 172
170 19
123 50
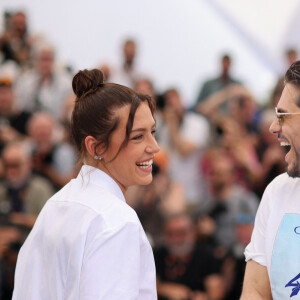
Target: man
181 265
12 120
227 198
15 43
273 265
44 87
22 194
218 83
184 135
128 73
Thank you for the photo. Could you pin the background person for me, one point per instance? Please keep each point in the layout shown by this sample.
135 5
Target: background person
22 193
181 265
96 248
44 87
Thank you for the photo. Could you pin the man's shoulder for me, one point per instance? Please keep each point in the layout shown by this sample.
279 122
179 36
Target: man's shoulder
284 179
283 184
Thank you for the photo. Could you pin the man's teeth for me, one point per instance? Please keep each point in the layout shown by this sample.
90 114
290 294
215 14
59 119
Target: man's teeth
284 144
145 164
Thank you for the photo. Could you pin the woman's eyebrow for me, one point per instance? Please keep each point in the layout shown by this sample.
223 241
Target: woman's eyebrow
138 129
143 129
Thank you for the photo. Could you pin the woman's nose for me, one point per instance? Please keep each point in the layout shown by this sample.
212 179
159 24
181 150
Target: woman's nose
153 146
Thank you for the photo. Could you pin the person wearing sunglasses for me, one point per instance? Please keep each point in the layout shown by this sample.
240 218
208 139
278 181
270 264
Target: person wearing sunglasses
273 264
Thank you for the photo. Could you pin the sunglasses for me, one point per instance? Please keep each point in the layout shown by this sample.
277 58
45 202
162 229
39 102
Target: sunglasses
281 115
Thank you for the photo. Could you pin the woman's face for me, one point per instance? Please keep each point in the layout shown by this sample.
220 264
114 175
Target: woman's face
133 165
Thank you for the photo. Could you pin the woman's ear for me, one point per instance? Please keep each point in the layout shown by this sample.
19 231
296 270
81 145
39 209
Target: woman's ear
91 144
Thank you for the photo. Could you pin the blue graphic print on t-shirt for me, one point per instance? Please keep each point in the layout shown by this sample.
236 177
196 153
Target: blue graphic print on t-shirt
285 266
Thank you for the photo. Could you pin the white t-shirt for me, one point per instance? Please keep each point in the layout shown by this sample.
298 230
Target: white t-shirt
275 241
87 244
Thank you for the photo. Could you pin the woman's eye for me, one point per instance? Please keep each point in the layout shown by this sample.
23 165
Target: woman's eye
153 132
138 137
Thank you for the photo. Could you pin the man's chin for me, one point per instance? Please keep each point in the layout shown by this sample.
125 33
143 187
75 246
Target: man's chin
294 171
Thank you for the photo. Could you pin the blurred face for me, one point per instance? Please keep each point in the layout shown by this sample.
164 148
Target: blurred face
221 173
242 109
45 62
129 52
16 165
292 57
145 87
179 236
133 165
232 132
226 65
173 102
6 99
41 129
19 23
287 128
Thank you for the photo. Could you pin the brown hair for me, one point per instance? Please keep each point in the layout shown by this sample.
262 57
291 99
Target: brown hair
95 106
292 76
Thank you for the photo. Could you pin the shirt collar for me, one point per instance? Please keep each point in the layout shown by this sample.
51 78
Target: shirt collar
100 178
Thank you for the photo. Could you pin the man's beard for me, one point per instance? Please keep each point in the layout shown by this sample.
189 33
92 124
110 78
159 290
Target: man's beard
295 170
181 249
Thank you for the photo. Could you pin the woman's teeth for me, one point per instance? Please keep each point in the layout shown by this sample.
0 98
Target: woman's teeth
145 164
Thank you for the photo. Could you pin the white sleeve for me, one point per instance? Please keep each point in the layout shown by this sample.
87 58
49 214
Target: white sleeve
111 264
256 248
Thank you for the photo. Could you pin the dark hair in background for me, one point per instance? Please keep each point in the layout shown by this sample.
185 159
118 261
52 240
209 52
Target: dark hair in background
95 108
292 76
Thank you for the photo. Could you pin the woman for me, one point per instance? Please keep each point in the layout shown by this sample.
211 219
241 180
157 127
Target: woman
87 242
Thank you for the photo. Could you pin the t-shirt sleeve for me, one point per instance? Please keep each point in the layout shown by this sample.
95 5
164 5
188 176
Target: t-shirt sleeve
256 248
111 263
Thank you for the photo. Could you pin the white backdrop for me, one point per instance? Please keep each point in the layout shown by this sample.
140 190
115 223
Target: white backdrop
180 42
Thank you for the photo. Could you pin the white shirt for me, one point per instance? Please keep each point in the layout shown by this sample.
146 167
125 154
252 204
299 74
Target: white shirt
275 241
87 244
51 97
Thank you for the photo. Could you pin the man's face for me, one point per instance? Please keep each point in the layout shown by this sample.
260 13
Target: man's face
129 51
226 65
16 166
288 128
19 23
221 173
45 62
6 99
179 236
41 129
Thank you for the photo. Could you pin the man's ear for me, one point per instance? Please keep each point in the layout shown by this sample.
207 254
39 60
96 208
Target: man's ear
91 144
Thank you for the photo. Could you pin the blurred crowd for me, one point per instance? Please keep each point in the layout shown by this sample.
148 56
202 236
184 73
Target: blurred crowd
215 161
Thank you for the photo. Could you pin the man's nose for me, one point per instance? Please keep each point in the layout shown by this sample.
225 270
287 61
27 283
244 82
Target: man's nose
275 127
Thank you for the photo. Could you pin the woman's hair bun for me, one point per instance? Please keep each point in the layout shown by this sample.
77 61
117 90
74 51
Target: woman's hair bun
87 80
